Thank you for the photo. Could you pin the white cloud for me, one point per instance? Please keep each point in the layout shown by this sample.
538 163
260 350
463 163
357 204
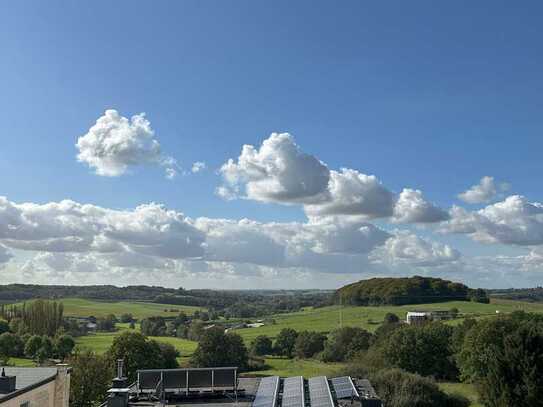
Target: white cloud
483 192
198 166
280 172
514 221
411 207
276 172
353 193
407 248
114 144
68 226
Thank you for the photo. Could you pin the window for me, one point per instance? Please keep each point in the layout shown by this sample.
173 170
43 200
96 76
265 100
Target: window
25 404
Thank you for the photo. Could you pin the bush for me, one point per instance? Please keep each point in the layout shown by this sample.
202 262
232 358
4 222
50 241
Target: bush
4 326
261 345
11 345
398 388
127 318
308 344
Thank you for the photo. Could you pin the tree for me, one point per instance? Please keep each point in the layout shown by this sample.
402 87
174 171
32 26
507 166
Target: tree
126 318
4 326
168 355
153 326
261 345
136 351
11 345
64 346
285 342
216 348
32 346
308 344
106 323
195 330
343 343
422 349
391 318
504 358
90 378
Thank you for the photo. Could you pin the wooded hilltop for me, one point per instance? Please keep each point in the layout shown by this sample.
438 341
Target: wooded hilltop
408 290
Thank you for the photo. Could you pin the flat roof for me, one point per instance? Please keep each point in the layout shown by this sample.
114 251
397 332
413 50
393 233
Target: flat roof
28 378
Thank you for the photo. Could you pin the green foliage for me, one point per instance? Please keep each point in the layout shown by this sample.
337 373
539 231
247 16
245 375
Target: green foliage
39 317
398 388
137 351
261 345
344 343
285 342
106 323
504 358
126 318
215 348
168 355
308 344
90 378
153 326
412 290
422 349
32 346
11 345
64 345
4 326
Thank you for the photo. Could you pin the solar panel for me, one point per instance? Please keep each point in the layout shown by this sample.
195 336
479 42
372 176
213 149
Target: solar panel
319 392
293 392
266 395
344 387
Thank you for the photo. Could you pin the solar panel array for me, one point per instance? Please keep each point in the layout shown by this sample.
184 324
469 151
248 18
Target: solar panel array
293 392
319 392
266 395
344 387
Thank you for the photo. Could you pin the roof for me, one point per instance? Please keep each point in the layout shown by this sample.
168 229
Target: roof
28 378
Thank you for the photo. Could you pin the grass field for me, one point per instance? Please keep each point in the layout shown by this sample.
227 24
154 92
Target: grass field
79 307
465 389
328 318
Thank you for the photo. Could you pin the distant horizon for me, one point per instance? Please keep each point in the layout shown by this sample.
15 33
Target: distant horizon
245 145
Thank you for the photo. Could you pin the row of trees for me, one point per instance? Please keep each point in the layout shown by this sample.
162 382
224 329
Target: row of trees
36 347
38 317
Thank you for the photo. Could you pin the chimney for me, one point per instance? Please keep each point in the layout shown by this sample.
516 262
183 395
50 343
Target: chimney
121 381
7 383
119 393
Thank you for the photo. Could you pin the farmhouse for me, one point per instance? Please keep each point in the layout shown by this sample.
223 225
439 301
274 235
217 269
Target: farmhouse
221 387
35 386
419 317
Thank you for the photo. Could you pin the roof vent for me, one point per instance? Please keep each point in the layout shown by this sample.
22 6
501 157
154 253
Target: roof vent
7 383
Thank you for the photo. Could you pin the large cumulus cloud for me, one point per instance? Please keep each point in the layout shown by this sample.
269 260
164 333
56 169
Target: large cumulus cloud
513 221
114 144
483 192
279 171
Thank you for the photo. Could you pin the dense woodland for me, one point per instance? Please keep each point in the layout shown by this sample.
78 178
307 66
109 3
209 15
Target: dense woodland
409 290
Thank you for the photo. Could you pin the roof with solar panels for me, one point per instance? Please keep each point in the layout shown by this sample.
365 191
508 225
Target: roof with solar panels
221 386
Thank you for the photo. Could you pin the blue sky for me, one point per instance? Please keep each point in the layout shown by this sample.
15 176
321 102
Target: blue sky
422 95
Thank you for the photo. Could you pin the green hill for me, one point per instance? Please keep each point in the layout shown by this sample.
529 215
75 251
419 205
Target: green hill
408 290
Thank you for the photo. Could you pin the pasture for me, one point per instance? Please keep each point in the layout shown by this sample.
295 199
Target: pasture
79 307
